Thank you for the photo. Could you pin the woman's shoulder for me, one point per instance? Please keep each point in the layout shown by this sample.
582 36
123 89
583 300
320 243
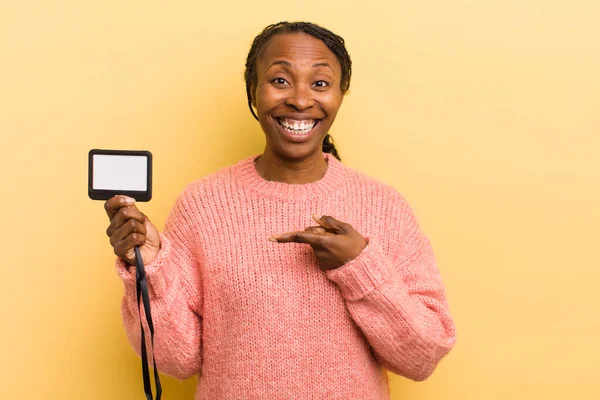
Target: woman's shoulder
388 207
371 187
220 182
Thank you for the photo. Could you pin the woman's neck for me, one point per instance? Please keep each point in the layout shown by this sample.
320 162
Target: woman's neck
273 167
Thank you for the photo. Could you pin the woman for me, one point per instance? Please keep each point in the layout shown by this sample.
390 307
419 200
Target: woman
288 275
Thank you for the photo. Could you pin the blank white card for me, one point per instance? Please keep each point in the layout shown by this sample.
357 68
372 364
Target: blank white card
120 172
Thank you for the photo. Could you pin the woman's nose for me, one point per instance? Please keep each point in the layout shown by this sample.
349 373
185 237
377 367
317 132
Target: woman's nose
300 98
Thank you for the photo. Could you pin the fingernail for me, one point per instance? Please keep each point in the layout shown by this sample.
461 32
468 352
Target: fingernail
127 200
317 217
272 239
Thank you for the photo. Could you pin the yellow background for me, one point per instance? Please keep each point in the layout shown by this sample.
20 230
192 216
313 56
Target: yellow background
485 114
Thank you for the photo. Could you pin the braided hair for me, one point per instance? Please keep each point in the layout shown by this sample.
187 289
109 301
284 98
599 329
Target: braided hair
334 42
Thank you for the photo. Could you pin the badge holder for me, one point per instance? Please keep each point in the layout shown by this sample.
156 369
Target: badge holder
129 173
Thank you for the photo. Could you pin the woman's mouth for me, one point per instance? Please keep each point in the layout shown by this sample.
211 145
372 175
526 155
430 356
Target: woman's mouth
297 130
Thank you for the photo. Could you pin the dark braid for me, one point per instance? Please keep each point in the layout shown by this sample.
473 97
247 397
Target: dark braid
329 147
334 42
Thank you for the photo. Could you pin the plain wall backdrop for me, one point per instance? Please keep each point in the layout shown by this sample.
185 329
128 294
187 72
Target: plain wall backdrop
484 114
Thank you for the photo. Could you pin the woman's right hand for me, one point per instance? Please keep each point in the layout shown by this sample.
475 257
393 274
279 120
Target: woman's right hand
128 228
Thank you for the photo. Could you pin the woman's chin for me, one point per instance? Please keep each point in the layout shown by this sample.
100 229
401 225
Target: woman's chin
298 151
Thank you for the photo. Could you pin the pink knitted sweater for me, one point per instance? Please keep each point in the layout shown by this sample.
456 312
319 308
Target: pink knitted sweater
260 320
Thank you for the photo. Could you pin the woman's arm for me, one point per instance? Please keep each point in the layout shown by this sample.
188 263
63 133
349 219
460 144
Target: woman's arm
399 301
174 284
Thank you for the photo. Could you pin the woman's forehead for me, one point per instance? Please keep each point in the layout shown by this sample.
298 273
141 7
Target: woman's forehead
297 47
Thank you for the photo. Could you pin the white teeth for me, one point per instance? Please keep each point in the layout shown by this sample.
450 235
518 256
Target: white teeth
297 128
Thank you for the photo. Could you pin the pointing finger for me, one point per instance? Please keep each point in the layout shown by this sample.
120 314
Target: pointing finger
312 238
316 229
330 223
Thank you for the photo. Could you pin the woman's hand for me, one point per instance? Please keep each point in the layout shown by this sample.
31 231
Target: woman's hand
334 242
129 228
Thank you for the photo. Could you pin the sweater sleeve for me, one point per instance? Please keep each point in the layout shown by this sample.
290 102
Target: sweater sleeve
174 286
399 301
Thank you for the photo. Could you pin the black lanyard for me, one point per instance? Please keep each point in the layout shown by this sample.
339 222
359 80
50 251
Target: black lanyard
141 289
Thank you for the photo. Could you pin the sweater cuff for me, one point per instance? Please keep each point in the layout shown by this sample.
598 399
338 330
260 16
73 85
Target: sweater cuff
360 276
157 274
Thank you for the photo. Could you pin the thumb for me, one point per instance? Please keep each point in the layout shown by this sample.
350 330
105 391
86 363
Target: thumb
317 229
152 234
330 223
147 222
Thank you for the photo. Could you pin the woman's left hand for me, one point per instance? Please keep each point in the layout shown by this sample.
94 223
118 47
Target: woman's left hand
334 242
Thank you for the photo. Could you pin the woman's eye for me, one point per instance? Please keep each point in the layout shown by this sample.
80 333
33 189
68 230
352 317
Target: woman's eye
279 81
321 84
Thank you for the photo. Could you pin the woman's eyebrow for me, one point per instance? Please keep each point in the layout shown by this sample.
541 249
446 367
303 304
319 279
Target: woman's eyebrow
279 62
323 64
288 64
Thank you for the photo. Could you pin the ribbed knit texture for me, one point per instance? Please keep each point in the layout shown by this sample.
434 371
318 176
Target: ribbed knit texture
260 320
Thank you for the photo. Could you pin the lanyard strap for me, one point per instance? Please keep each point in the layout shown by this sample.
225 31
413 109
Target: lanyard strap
141 288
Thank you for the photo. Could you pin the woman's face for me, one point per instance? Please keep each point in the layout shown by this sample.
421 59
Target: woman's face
297 94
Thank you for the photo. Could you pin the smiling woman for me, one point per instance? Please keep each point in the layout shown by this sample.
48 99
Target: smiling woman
318 48
350 288
297 96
